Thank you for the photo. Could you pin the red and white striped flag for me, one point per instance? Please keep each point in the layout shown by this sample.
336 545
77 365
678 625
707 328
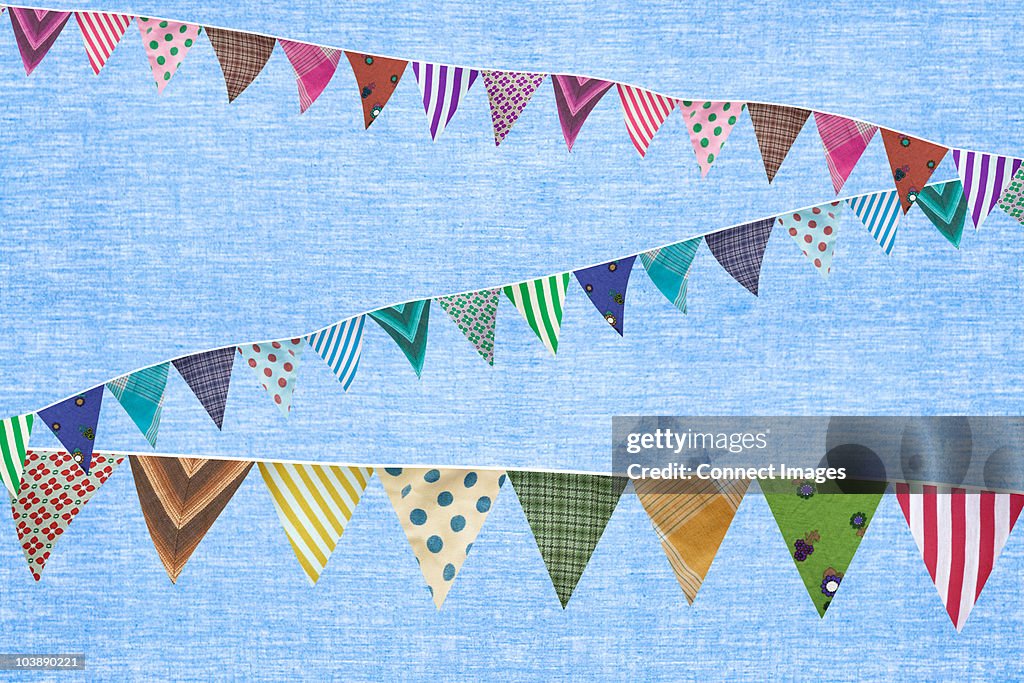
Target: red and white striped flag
645 111
101 32
960 535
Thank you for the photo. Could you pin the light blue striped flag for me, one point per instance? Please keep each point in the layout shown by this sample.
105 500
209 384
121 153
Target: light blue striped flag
880 213
341 345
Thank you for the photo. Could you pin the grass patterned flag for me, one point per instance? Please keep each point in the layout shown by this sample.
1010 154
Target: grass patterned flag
407 325
14 436
141 394
669 268
540 301
476 314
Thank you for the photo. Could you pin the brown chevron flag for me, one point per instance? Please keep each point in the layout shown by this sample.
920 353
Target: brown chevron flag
181 498
776 128
242 57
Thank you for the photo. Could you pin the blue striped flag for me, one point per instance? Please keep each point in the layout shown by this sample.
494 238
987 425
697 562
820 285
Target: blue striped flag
880 213
341 345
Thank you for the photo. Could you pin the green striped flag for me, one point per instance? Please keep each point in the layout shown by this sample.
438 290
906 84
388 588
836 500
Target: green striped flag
540 301
14 434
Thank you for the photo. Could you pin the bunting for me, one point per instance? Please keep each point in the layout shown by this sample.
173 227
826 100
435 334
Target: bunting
541 303
242 57
441 512
407 325
442 88
576 97
880 214
208 375
946 207
567 514
709 124
101 32
341 345
1012 201
275 364
181 498
35 31
822 529
776 128
74 421
644 112
314 68
476 314
166 43
815 232
14 437
606 286
53 491
669 268
508 93
844 141
377 78
314 504
141 394
912 162
691 519
740 251
984 177
960 535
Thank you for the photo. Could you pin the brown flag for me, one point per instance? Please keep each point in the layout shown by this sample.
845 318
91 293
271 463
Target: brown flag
377 78
242 57
776 128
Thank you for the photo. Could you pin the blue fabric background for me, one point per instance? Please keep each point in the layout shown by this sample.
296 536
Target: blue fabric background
138 227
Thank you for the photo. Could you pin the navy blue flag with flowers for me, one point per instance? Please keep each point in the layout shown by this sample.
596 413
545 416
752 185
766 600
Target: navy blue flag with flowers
606 286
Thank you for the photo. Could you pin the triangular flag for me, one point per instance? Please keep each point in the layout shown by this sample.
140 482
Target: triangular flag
275 364
377 78
644 112
53 491
407 325
691 519
442 88
166 43
740 250
35 31
101 32
508 93
822 529
984 177
476 314
540 301
606 286
567 514
960 535
341 345
709 124
912 162
844 141
946 207
576 97
14 436
669 267
776 128
74 422
314 503
208 375
880 214
141 394
181 498
314 67
815 231
441 512
242 57
1012 201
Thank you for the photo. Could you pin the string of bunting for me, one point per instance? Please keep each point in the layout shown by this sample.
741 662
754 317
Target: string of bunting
442 88
443 509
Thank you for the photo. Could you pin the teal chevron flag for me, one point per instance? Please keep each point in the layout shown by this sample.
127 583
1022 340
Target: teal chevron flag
407 325
946 207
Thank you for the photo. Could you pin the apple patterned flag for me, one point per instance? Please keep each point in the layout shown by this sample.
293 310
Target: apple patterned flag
166 43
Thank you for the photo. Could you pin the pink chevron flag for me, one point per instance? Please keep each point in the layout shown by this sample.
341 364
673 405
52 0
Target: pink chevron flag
314 68
845 141
101 32
960 535
35 31
644 111
576 97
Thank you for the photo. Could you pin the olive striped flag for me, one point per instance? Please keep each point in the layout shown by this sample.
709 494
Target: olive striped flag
314 502
14 435
540 301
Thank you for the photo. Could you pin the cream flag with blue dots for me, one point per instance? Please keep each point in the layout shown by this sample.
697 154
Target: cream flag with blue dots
441 511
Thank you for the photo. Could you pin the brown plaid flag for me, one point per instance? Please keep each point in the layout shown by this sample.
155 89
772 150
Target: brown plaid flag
741 249
241 55
567 514
776 128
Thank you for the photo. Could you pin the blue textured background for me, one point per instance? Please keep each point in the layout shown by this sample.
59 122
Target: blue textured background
138 227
